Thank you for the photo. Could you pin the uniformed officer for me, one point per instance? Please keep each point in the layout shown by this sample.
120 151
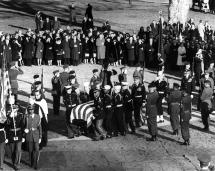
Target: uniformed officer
204 160
108 110
161 86
36 79
188 83
174 105
56 92
119 114
99 114
206 104
33 131
185 116
64 77
13 72
152 111
128 107
123 76
94 81
38 87
138 94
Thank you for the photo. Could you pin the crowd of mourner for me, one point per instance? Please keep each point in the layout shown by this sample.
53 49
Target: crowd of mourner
188 48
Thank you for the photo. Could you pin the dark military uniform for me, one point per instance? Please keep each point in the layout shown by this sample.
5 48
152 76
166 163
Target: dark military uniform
2 143
128 109
162 90
185 116
122 77
64 76
56 94
33 132
15 133
174 105
119 115
151 113
138 94
108 110
188 85
206 106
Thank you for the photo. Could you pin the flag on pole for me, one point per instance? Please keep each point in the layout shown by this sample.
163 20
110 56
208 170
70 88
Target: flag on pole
83 111
5 88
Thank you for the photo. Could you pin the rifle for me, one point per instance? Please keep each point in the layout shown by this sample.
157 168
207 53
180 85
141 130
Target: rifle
42 79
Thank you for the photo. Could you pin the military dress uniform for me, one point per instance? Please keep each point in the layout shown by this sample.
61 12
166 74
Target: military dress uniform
128 109
151 113
138 94
188 85
15 134
33 133
174 105
185 116
3 140
119 115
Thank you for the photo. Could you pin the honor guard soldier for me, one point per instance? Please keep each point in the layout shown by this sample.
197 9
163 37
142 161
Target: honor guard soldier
174 105
204 159
206 104
13 72
138 94
15 132
33 131
161 86
38 87
56 92
152 111
128 107
108 109
64 76
33 85
119 115
185 116
94 81
84 95
99 114
188 83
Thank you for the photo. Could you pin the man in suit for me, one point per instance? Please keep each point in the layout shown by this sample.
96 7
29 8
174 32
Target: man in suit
33 135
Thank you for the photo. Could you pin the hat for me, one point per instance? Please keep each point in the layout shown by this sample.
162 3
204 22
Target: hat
207 82
71 77
38 83
13 63
117 87
176 85
72 72
136 74
36 76
30 107
107 87
124 83
204 157
65 66
56 71
207 72
95 70
15 107
67 87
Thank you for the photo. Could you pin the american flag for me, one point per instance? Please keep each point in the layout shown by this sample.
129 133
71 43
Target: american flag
5 88
83 111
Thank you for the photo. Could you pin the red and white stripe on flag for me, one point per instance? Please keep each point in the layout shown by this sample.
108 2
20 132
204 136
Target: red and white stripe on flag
83 111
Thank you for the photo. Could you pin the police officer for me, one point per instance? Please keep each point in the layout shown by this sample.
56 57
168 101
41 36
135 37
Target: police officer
152 111
138 94
99 114
15 132
119 115
174 105
128 107
33 131
206 104
56 92
185 116
204 160
108 110
161 86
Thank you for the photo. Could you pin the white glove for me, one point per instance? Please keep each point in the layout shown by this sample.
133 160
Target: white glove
191 96
39 140
26 131
6 141
23 140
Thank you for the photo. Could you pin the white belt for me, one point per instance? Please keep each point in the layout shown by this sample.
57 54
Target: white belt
120 105
161 92
73 105
130 100
109 106
138 96
2 129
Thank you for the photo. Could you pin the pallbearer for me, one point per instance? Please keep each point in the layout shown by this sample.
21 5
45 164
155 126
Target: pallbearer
128 107
152 111
185 116
161 86
174 105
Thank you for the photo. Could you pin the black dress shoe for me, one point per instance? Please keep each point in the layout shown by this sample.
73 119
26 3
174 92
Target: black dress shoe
133 132
153 138
206 129
1 168
108 136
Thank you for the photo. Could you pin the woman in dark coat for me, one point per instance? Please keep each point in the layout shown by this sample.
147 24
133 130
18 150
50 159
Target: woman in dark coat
140 52
130 50
27 51
66 49
49 50
89 13
8 50
16 50
58 51
92 50
173 55
39 51
75 51
86 50
115 53
119 47
108 51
